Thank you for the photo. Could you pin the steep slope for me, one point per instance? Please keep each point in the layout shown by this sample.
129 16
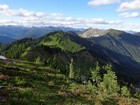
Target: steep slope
4 39
24 83
120 42
55 49
27 83
120 48
58 48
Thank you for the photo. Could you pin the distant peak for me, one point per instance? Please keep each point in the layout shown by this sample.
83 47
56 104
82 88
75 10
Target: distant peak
91 32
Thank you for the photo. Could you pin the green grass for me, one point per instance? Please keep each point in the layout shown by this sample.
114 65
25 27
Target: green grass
26 83
59 40
29 84
25 52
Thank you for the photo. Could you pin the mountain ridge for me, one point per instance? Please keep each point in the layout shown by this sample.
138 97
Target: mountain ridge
56 48
19 32
119 39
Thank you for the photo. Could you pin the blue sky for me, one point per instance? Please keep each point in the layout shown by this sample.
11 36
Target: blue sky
118 14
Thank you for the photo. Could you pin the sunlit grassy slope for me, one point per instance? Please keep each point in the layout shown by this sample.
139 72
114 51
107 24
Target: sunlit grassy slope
25 83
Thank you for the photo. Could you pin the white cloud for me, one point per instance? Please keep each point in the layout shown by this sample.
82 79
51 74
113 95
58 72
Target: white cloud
102 2
7 11
129 15
3 6
132 5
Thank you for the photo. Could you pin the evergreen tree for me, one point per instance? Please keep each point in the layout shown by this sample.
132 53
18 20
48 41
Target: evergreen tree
108 67
71 70
125 91
54 62
77 74
38 60
95 73
109 84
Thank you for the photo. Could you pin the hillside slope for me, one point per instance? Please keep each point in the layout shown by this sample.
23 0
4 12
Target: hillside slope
120 48
120 42
55 49
27 83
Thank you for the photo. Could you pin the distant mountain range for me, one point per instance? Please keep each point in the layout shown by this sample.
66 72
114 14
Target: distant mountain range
92 32
4 39
18 32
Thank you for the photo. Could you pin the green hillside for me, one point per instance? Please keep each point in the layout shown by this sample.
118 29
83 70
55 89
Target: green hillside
120 42
58 48
58 39
17 48
55 49
61 40
28 83
119 48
